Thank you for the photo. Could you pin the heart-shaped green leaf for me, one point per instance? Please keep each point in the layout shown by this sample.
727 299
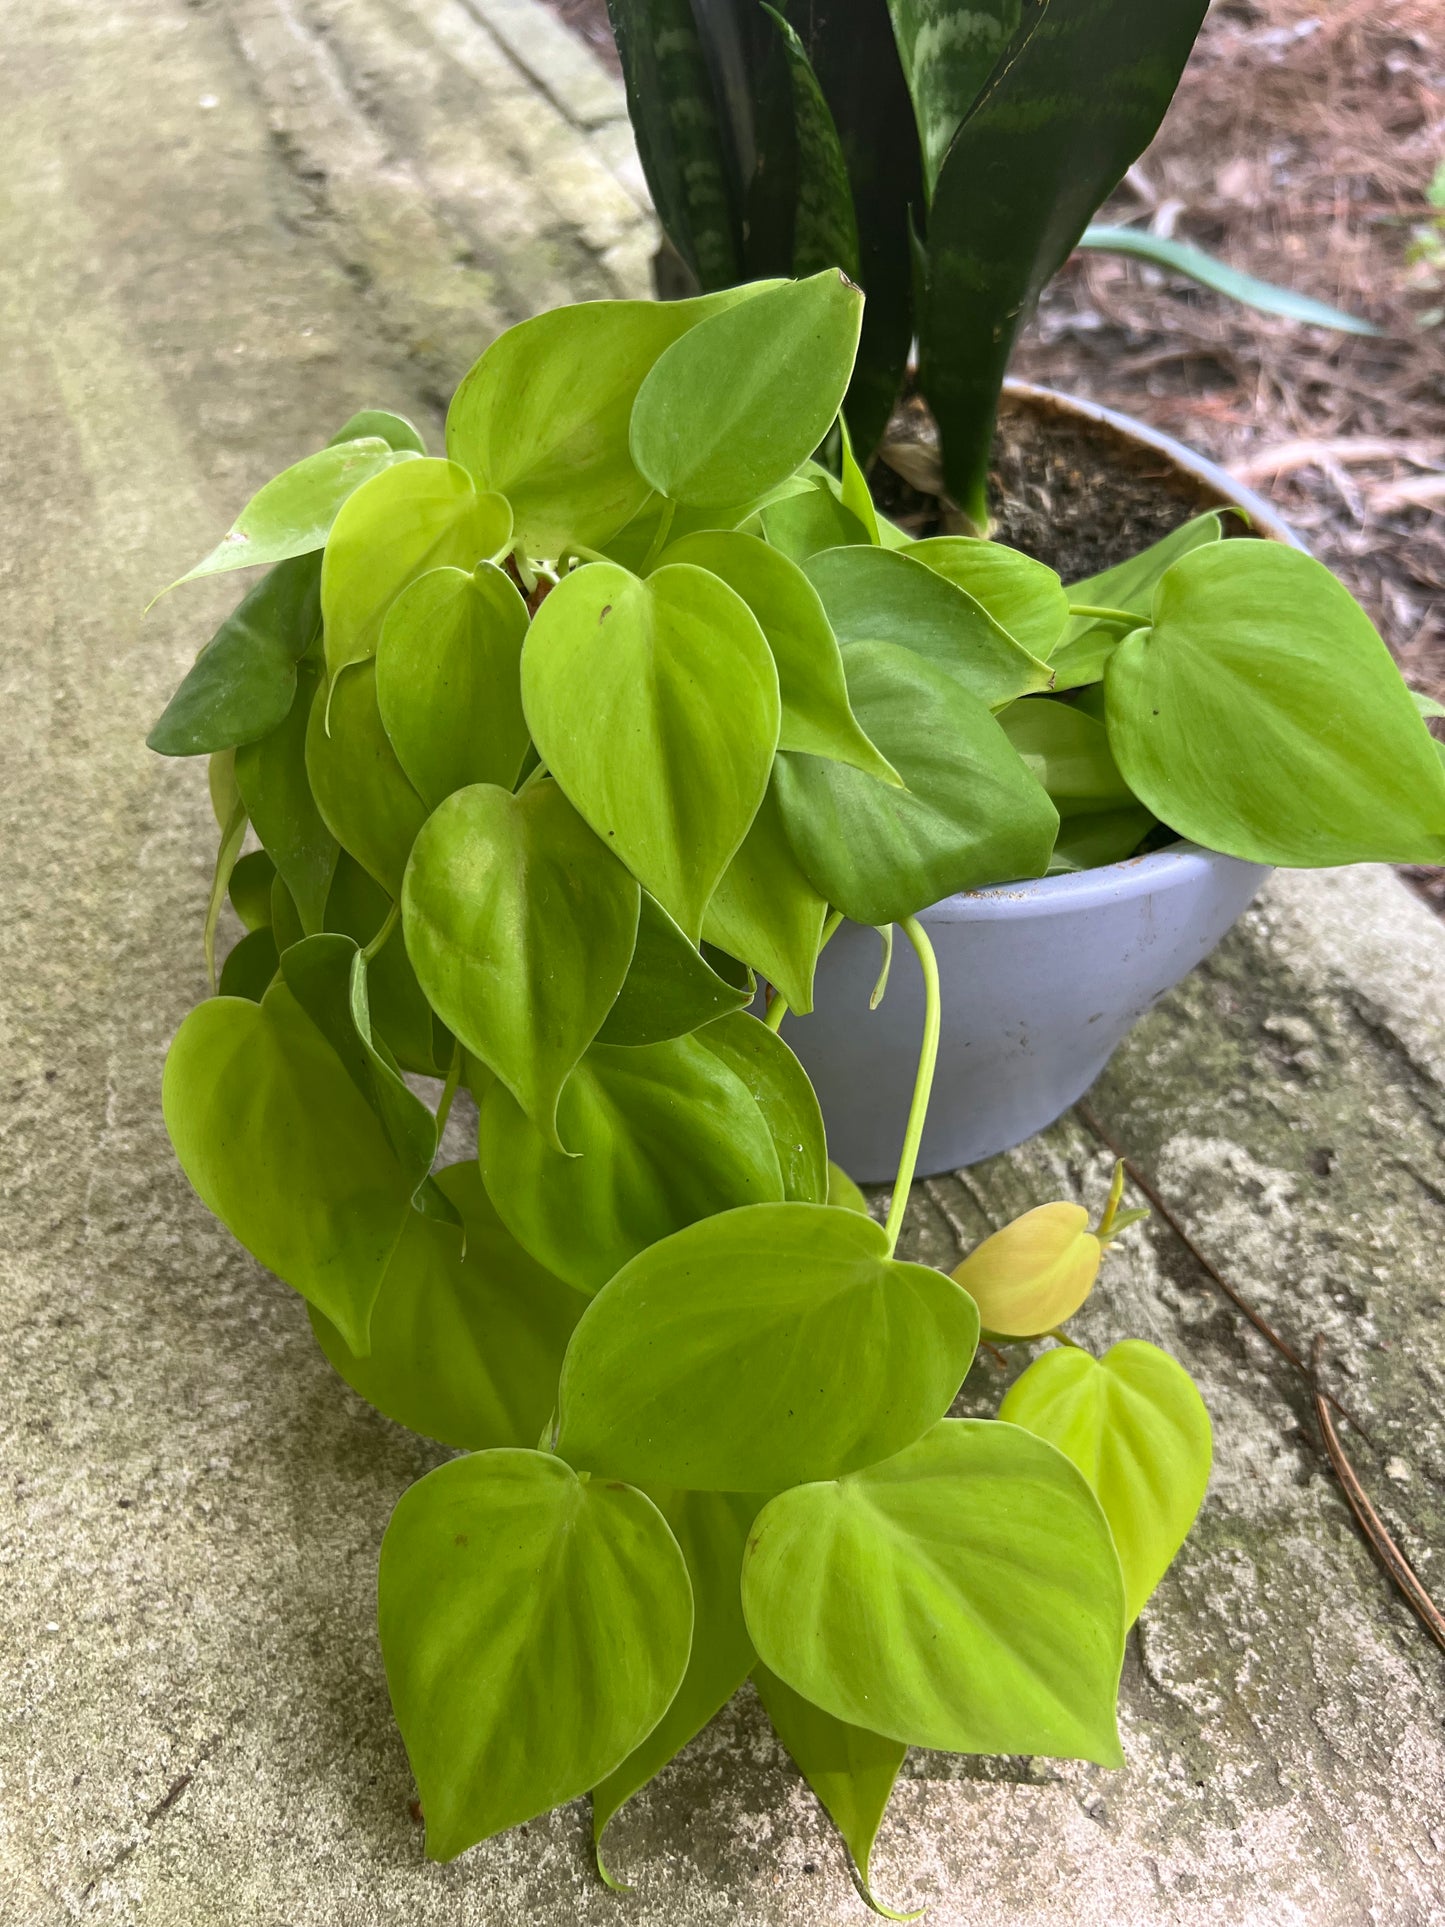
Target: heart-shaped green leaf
712 1530
250 967
520 926
422 514
400 1014
535 1627
1261 715
250 888
655 705
745 397
1083 655
1067 753
271 776
843 1192
850 1769
1023 596
767 1345
1137 1429
242 684
447 669
803 525
884 595
283 1148
395 430
467 1332
783 1094
543 417
659 1135
360 788
670 988
964 1594
1086 842
972 814
766 911
816 716
294 512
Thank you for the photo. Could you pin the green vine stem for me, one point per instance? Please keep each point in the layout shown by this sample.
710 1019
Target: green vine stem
922 1084
1124 617
383 936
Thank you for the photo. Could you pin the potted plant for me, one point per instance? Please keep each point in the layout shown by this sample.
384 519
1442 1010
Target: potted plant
548 745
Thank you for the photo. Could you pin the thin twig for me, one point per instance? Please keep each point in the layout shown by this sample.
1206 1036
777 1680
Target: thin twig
1370 1523
1211 1271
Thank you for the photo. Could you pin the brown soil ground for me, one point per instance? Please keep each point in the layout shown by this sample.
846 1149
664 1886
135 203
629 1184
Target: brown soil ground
1300 147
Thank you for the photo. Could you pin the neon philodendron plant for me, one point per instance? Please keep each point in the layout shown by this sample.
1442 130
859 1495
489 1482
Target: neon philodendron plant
549 746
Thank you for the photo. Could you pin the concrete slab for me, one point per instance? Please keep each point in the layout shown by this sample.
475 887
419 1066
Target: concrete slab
193 1721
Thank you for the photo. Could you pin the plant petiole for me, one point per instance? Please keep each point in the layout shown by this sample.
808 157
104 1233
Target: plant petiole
923 1082
383 935
1125 618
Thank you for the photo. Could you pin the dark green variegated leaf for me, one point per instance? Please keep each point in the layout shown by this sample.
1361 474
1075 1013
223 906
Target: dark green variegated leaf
744 398
395 430
655 705
248 970
972 815
1261 715
712 1529
964 1594
825 229
948 49
535 1627
766 911
447 680
816 716
1137 1429
849 1769
1084 653
250 889
783 1094
400 1015
283 1148
805 524
520 926
271 776
1067 753
293 514
659 1135
884 595
467 1332
423 514
1076 98
670 988
360 788
243 683
1023 596
761 1347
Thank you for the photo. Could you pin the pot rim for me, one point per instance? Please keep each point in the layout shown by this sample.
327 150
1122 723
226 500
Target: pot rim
1175 867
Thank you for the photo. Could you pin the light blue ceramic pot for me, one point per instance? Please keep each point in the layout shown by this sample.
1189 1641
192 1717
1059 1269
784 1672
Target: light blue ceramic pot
1041 983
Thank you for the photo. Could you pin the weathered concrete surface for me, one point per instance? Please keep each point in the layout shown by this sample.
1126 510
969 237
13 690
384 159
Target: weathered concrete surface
193 1723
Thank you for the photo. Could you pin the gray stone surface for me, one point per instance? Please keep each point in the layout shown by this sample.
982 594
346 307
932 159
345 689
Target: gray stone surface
210 262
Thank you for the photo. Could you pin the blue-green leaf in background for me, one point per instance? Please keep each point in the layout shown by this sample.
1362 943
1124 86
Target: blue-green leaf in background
1182 258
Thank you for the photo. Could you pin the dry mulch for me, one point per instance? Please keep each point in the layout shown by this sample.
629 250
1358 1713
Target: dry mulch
1300 147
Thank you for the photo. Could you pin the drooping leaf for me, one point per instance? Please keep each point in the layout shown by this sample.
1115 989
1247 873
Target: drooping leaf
543 417
766 911
467 1332
1067 753
243 683
783 1094
655 705
1034 1272
816 716
395 430
964 1594
357 907
520 925
448 685
1083 655
712 1529
535 1627
825 229
1023 596
660 1135
360 788
1077 97
248 970
670 988
948 49
1137 1429
742 399
885 595
972 815
250 888
221 785
760 1347
849 1769
1181 258
423 514
271 776
282 1147
293 514
1261 715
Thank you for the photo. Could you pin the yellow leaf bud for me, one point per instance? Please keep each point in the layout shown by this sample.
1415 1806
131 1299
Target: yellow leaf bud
1035 1272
